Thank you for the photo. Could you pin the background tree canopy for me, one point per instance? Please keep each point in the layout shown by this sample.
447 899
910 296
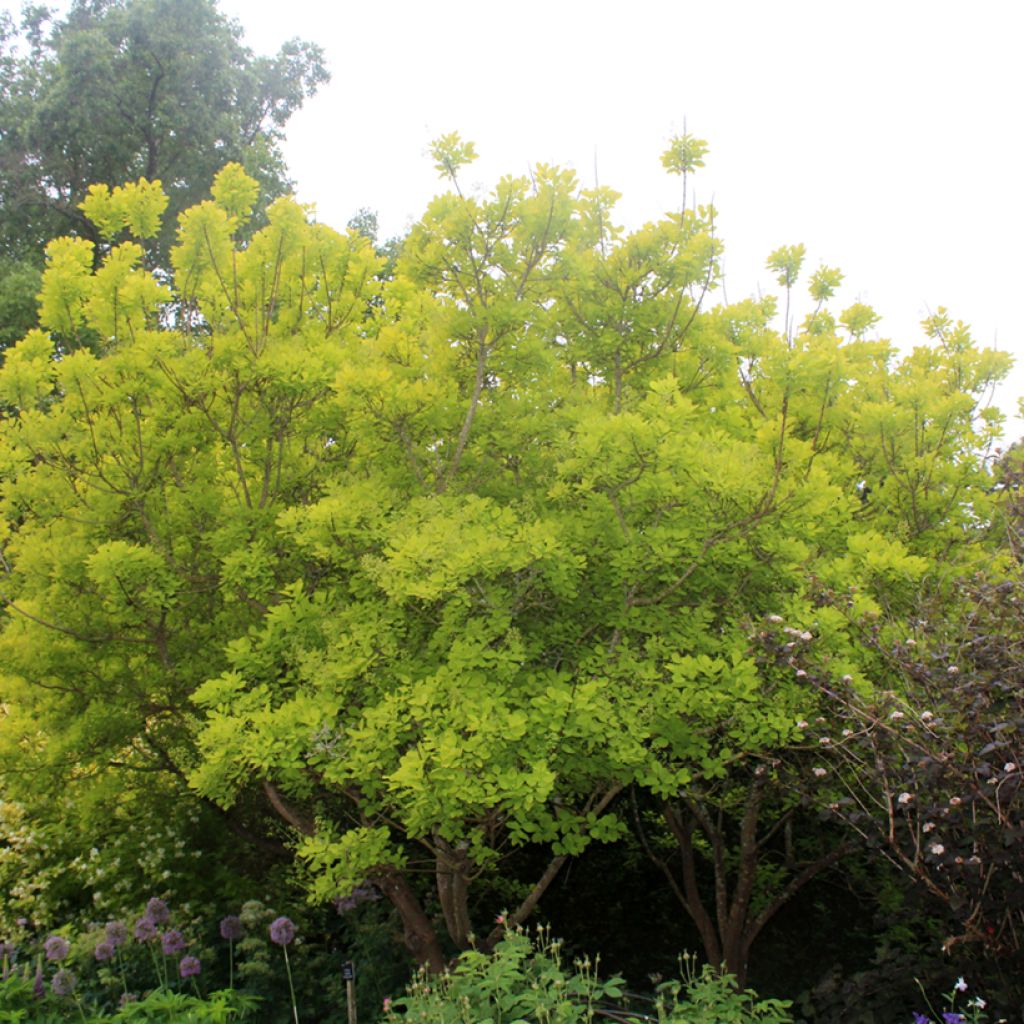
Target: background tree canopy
122 89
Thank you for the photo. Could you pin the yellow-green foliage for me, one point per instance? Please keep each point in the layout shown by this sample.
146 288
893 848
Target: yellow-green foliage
137 206
447 559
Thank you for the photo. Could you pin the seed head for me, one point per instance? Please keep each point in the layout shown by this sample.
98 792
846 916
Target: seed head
173 942
157 912
63 983
189 967
282 931
57 948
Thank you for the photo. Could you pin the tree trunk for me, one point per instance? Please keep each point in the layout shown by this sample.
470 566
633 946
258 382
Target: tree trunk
452 863
418 933
689 896
729 934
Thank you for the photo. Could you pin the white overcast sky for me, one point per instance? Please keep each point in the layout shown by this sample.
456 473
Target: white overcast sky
885 136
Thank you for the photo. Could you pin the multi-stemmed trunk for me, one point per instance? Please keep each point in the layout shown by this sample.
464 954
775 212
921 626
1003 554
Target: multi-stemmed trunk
723 913
453 875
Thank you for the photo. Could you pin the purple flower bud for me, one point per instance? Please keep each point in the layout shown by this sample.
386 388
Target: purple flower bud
145 929
104 950
282 931
189 967
63 983
128 997
37 986
157 912
57 948
173 942
117 933
231 927
920 1018
360 894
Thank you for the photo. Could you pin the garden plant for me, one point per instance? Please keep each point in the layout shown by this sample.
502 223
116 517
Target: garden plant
405 580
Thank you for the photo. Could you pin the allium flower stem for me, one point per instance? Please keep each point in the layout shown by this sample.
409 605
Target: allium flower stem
120 967
157 966
231 928
291 987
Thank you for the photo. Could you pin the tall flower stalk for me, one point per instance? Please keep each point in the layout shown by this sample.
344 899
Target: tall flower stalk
190 967
146 933
116 934
282 931
231 929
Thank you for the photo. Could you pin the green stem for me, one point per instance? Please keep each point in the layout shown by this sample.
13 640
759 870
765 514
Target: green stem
156 966
120 966
291 987
231 964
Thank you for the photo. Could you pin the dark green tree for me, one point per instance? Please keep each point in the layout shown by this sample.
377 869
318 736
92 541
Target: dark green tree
20 281
120 89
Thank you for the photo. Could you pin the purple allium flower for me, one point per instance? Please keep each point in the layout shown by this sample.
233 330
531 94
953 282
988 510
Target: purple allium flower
360 894
173 942
57 948
157 912
189 967
145 929
104 950
231 927
282 931
117 933
63 983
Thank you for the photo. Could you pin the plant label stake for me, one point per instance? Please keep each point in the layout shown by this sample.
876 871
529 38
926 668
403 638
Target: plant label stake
348 973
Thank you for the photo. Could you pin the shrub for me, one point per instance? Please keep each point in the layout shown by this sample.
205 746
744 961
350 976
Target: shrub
524 979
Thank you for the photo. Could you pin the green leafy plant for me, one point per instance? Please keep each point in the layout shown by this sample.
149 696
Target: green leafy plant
526 979
24 1001
180 1007
706 996
523 979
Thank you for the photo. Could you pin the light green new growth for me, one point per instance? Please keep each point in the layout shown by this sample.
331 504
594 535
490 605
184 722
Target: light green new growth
439 565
